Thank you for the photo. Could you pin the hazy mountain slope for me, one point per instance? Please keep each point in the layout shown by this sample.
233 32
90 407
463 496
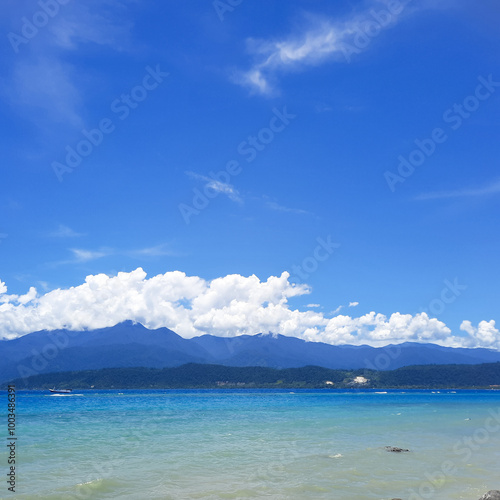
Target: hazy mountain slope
128 344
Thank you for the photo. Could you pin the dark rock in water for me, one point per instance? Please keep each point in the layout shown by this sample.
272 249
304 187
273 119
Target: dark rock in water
491 495
395 449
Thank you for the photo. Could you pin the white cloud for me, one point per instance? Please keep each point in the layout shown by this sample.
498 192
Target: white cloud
18 299
313 305
227 306
191 306
378 330
219 187
493 188
484 335
339 308
323 39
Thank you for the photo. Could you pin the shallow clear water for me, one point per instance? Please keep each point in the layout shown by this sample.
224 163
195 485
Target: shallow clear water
249 444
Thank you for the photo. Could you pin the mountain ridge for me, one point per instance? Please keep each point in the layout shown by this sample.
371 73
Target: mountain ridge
130 344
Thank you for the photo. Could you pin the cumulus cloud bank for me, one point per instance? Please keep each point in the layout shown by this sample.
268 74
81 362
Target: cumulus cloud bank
484 335
227 306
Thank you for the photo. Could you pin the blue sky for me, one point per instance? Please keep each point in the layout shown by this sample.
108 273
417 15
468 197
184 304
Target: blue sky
308 115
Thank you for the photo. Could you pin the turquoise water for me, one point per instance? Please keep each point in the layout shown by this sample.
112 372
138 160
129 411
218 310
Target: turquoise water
249 444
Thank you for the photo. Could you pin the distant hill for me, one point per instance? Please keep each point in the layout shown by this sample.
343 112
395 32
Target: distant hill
130 345
194 375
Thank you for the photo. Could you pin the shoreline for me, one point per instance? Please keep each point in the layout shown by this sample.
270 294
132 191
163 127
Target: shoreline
204 376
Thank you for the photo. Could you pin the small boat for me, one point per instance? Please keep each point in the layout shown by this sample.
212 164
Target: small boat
60 391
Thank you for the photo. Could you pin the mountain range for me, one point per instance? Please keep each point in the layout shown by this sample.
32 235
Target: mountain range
130 344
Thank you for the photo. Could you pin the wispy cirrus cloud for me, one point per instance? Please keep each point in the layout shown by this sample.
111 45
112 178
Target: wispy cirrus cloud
490 189
81 255
46 84
308 48
43 83
88 22
320 40
64 232
281 208
154 251
219 187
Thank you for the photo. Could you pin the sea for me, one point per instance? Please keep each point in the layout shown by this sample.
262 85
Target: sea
252 444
